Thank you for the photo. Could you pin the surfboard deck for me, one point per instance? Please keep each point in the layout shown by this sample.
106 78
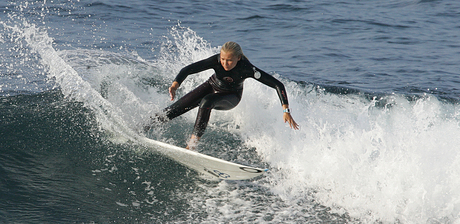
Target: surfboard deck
209 166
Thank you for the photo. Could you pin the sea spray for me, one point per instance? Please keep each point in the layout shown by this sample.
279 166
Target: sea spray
396 162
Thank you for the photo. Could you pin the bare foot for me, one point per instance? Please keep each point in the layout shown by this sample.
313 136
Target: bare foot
192 143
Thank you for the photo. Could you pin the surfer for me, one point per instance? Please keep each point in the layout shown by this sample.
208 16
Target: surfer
222 91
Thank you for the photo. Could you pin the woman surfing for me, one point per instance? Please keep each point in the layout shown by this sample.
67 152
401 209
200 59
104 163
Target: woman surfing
222 91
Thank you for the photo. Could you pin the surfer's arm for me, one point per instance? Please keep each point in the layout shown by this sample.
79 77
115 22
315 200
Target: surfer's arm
196 67
271 81
191 69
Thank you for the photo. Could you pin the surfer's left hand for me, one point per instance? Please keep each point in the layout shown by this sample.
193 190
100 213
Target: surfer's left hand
288 118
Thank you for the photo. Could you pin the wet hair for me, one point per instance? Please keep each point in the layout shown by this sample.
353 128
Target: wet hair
234 48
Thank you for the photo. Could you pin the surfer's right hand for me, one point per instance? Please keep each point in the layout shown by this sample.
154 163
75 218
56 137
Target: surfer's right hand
172 90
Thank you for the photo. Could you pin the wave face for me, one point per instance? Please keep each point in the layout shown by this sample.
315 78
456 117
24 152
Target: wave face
71 117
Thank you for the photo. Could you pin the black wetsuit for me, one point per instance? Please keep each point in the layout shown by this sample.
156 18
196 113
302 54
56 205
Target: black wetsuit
222 91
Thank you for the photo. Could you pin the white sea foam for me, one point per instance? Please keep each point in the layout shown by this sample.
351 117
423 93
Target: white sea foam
374 163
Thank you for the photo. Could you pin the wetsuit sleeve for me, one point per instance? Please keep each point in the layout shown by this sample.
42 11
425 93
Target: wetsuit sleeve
197 67
271 81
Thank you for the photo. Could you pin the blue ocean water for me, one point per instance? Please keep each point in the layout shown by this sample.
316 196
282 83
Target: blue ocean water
375 86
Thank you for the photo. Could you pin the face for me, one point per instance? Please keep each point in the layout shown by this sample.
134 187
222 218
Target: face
228 60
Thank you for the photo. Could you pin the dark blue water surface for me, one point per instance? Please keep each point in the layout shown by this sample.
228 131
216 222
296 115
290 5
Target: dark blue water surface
375 86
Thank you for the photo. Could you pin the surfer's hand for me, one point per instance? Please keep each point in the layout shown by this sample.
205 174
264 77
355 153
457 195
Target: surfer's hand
172 90
288 118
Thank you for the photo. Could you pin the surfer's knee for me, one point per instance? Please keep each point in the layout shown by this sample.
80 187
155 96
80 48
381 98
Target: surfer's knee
207 102
220 101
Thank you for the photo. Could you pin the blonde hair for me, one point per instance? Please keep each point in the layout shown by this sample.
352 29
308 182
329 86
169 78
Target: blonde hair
234 48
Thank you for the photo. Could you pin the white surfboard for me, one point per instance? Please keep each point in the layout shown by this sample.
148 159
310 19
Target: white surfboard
204 164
